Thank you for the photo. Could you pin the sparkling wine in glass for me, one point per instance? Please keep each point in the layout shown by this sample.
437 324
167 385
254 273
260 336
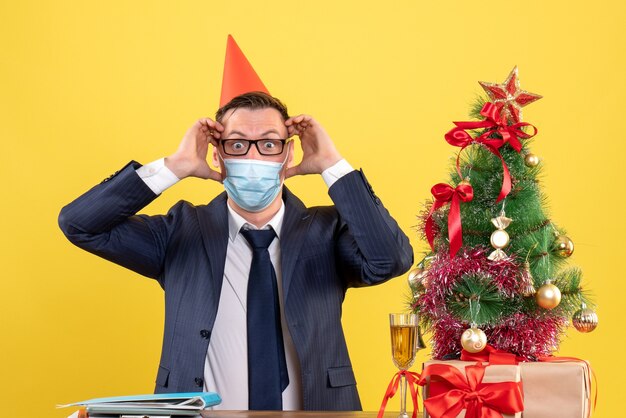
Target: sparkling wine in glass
405 341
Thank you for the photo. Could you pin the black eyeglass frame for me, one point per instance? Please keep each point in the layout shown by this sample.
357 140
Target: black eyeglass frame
254 142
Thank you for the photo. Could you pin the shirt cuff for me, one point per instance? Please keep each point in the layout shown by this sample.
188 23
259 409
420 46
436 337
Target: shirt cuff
337 171
157 176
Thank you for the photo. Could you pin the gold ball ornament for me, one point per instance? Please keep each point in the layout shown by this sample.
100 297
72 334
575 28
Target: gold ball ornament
465 182
425 280
548 296
531 160
585 320
473 340
499 238
416 276
563 246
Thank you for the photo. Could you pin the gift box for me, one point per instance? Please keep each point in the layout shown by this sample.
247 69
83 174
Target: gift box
556 389
553 388
503 398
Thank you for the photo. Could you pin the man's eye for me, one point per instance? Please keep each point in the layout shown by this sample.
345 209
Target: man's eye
269 144
237 145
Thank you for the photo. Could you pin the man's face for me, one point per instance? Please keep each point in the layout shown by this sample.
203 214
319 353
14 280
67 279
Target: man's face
254 124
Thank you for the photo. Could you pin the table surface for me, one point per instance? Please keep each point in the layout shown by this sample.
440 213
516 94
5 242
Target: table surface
299 414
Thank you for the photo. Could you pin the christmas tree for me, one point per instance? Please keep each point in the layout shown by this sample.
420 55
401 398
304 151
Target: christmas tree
496 272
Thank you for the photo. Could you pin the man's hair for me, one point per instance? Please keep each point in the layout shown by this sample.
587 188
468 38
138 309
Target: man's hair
254 100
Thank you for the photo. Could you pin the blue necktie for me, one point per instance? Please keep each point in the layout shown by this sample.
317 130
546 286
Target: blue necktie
267 368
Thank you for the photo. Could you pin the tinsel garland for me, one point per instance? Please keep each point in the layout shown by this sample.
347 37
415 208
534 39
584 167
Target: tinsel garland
528 334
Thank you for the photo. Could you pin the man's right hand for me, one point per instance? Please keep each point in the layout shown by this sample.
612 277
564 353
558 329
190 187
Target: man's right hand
190 160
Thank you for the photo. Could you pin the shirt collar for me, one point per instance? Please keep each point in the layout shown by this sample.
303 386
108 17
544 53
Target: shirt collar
236 222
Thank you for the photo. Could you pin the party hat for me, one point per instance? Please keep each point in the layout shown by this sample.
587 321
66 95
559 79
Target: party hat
239 76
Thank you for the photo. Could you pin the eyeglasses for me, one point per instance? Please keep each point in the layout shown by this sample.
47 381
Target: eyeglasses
241 147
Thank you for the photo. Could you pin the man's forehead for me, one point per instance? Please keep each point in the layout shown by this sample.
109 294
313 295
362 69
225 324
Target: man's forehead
266 119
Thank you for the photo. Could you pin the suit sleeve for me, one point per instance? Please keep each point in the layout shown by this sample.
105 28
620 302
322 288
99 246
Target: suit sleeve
103 221
370 245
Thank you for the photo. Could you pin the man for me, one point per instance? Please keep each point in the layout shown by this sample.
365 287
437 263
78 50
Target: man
200 259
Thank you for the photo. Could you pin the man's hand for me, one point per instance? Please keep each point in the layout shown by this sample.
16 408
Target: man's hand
190 160
319 152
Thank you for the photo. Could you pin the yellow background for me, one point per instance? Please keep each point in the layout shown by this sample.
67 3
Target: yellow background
87 86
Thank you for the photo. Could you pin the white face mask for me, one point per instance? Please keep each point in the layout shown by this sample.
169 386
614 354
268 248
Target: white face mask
252 184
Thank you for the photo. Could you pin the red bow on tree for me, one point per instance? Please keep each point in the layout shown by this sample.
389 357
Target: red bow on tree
443 194
486 400
494 123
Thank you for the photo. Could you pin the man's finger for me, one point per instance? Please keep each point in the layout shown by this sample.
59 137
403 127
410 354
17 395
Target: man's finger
218 126
297 119
205 122
210 123
293 130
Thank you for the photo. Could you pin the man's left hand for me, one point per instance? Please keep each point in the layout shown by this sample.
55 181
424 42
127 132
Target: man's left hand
319 152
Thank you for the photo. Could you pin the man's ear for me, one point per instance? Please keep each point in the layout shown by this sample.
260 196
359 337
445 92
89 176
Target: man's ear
218 163
290 158
288 161
216 158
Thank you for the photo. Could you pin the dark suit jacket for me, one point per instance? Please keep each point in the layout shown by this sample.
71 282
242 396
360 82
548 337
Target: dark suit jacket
324 251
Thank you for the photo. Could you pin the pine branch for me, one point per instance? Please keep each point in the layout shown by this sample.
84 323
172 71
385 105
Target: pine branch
572 294
476 300
477 106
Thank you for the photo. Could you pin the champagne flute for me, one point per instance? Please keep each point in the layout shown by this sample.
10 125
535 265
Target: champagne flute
406 339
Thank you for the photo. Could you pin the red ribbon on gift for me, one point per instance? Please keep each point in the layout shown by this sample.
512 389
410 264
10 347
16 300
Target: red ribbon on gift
494 122
467 392
443 194
491 355
412 379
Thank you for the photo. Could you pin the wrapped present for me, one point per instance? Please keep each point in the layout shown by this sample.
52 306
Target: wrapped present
460 388
556 388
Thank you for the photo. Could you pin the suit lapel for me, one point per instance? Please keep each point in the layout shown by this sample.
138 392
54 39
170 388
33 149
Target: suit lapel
295 225
213 219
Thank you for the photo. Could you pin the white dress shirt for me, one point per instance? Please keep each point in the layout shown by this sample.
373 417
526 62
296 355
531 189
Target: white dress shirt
226 364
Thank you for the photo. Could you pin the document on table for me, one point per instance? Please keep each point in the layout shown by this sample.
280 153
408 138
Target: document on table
176 404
